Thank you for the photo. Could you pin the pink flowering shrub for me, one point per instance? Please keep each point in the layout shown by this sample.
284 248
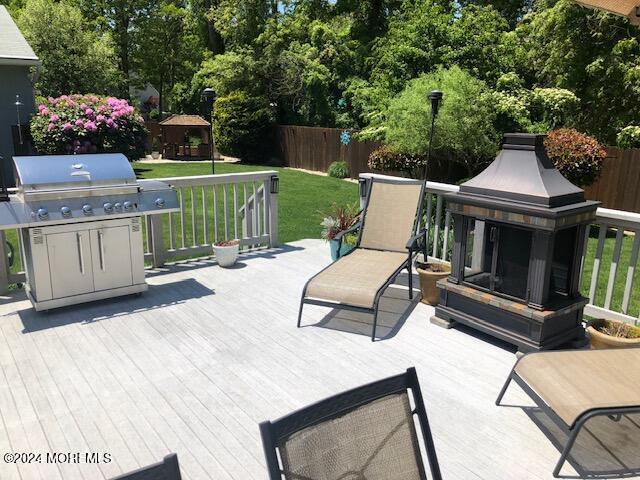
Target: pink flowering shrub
88 124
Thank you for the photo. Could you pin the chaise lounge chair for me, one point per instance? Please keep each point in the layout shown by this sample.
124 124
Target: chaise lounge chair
386 244
368 432
577 385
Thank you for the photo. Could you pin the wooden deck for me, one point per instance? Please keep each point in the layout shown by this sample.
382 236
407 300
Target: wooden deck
193 365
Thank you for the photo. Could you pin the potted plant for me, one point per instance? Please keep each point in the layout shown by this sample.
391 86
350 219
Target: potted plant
226 252
430 273
337 219
612 334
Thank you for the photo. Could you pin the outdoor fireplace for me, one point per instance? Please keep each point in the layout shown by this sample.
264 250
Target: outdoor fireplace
518 242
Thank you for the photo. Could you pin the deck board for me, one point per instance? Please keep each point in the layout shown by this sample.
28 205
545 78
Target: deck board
194 364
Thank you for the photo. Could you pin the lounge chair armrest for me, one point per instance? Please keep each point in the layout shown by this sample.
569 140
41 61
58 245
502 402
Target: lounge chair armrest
415 241
351 229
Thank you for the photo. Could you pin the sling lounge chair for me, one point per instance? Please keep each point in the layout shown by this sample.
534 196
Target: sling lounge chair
368 432
574 386
387 242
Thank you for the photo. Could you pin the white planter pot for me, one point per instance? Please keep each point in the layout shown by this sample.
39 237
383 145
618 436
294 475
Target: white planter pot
226 256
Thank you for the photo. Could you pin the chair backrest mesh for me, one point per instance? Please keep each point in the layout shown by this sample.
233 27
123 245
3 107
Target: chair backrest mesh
390 215
376 441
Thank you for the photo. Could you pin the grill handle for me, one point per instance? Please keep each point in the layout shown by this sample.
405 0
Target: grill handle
101 248
80 252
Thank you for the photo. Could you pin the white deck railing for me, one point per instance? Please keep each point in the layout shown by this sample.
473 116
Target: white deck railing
212 208
607 297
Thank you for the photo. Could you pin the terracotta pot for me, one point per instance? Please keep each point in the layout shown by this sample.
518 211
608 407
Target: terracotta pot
428 280
599 340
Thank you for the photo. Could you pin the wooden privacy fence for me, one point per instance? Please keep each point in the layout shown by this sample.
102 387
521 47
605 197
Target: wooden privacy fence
617 187
315 148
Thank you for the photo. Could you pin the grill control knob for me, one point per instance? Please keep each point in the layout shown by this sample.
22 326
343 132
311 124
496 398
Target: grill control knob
127 205
159 202
117 206
108 207
87 209
43 214
66 212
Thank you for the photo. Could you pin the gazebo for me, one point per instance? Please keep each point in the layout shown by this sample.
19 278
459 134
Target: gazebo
186 137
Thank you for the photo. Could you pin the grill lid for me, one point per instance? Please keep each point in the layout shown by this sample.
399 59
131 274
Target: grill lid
522 172
47 172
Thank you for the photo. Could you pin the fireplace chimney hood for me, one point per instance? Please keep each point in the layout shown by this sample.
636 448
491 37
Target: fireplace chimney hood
522 173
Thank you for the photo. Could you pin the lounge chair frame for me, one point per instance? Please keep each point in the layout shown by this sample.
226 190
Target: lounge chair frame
342 403
572 431
415 243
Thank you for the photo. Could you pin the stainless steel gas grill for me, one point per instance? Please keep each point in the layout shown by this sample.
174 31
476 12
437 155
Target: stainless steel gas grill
80 221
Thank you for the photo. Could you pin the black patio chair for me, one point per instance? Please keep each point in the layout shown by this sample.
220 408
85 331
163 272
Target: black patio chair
168 469
368 432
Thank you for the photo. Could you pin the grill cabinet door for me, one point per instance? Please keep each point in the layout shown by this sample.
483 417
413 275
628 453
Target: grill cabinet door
70 263
111 257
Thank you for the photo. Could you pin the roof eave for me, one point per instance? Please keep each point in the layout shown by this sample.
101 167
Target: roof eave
20 61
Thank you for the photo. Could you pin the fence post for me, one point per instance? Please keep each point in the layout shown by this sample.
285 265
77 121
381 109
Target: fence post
156 244
272 192
4 264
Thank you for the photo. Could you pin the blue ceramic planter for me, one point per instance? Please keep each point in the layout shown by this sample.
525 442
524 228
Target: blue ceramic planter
333 247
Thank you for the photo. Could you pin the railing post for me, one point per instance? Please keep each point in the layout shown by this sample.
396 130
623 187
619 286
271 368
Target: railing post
4 264
156 244
272 195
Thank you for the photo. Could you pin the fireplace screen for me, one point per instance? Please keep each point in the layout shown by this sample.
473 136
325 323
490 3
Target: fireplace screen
498 257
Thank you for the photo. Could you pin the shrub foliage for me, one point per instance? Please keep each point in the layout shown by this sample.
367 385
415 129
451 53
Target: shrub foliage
386 159
579 157
629 137
339 169
88 124
242 125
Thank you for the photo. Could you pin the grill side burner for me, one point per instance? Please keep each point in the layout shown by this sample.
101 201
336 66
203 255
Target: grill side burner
80 221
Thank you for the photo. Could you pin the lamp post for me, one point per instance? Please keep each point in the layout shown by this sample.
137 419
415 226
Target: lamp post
435 97
208 98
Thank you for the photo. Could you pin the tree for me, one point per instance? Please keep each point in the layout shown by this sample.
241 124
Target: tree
465 124
74 58
170 33
481 43
121 18
591 53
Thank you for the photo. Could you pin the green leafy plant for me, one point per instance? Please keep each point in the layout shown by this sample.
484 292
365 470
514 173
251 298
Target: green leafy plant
629 137
465 131
338 169
242 125
88 124
338 218
386 159
577 156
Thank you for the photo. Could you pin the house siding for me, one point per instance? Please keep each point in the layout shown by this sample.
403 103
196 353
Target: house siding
14 80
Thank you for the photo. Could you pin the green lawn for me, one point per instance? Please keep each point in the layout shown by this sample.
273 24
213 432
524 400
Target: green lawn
605 267
301 199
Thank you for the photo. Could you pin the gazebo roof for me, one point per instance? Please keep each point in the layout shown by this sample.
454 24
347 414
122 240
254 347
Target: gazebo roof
185 121
625 8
